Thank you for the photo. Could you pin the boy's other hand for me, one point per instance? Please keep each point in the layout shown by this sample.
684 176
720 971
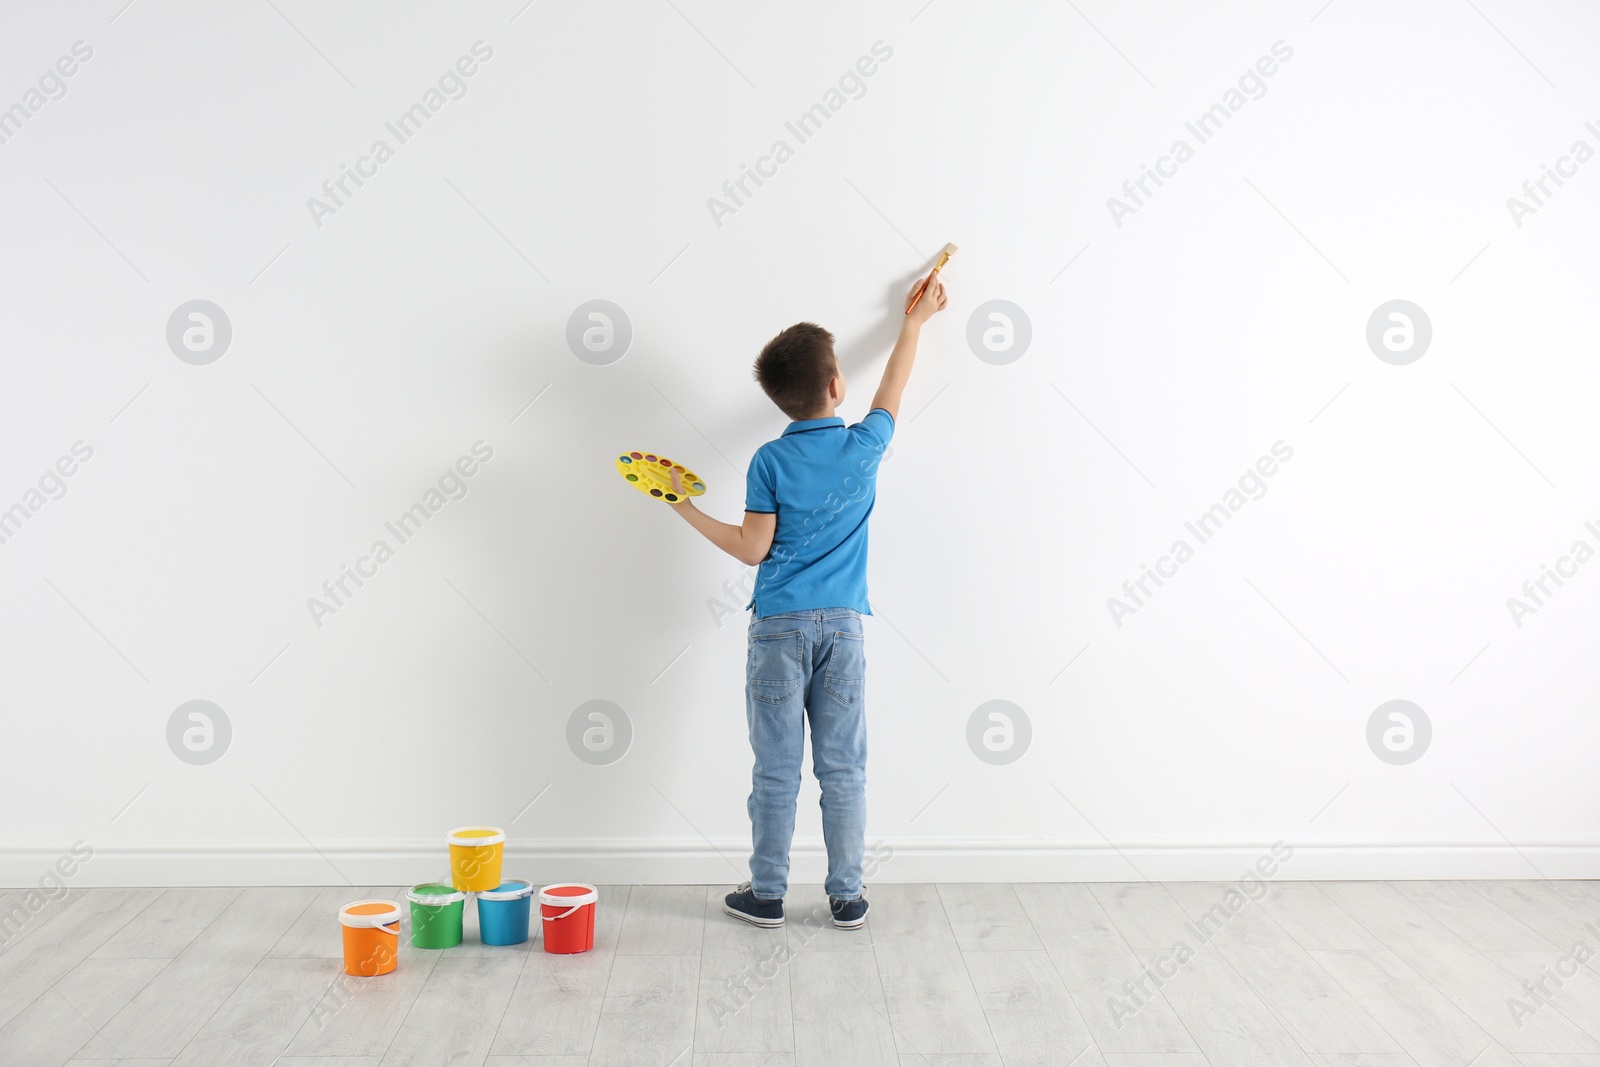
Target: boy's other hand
677 487
932 302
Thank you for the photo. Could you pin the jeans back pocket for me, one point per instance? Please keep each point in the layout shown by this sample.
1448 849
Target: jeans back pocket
846 676
774 673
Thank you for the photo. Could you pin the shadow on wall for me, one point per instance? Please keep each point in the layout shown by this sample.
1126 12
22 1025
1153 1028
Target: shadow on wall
857 356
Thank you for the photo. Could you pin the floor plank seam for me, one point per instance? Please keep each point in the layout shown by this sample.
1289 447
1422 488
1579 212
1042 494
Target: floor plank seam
1266 916
68 1001
944 906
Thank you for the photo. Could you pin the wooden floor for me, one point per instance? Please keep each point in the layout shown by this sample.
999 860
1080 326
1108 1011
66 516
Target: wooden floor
1332 974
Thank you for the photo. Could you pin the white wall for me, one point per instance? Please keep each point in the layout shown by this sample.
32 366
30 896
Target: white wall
1168 353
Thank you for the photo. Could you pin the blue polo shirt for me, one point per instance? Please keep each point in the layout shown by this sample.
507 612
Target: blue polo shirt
820 478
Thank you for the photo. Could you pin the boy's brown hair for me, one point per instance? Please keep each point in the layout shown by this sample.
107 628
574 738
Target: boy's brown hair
795 367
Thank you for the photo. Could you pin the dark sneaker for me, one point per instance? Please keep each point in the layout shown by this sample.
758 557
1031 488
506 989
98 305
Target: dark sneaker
849 914
758 911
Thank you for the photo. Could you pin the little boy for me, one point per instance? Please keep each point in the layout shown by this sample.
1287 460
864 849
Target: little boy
808 496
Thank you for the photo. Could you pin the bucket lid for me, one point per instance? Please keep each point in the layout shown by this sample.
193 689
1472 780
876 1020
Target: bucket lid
370 913
569 894
474 836
510 889
435 893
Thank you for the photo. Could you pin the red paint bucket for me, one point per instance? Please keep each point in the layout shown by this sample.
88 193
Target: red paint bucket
567 909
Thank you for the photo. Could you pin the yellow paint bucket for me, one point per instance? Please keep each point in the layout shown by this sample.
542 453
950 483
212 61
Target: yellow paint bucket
475 855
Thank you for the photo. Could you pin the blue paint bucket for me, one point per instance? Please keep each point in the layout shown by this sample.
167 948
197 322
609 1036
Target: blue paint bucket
503 913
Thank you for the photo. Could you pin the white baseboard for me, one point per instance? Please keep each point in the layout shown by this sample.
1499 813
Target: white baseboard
696 861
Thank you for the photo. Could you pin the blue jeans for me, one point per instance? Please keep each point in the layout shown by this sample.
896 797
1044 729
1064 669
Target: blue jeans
807 664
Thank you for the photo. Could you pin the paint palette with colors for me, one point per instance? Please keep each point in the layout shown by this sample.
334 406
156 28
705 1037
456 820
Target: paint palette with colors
652 474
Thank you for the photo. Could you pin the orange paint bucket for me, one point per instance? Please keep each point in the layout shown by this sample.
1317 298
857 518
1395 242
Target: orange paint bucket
475 856
371 937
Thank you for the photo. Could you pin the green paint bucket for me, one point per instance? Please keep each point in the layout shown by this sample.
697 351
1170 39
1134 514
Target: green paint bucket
436 915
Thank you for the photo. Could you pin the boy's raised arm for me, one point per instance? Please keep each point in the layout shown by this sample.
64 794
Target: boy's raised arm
898 372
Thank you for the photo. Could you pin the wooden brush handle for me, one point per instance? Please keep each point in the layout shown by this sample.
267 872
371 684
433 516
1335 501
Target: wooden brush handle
916 296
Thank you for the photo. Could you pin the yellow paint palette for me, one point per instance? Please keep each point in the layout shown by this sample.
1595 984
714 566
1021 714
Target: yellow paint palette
652 474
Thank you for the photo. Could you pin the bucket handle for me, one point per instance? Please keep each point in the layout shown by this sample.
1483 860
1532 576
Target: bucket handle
563 915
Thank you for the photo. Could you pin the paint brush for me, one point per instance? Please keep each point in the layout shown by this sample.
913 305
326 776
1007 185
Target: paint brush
944 257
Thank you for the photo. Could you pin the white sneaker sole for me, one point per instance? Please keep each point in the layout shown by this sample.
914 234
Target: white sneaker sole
753 920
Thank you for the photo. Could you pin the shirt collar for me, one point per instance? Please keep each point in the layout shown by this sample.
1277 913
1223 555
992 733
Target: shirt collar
812 424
